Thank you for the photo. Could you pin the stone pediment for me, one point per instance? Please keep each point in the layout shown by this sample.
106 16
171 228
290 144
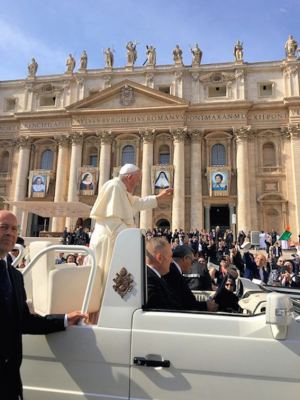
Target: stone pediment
127 95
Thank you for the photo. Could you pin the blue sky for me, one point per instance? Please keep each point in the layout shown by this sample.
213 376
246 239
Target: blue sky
50 30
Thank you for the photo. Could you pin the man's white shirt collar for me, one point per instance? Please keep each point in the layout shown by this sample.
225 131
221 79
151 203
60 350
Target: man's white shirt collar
179 269
153 269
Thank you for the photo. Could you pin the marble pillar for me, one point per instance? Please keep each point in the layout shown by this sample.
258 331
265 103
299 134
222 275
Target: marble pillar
24 144
196 220
147 139
58 223
243 187
106 138
207 207
295 147
76 155
178 209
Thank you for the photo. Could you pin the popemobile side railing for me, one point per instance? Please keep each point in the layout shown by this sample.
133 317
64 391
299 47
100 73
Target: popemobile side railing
75 248
19 256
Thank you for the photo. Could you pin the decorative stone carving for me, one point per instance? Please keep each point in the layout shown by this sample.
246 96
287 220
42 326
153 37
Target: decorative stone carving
245 132
107 81
164 206
70 63
24 142
32 68
197 55
240 75
179 134
178 77
83 60
123 282
291 48
147 135
216 77
195 76
151 53
238 51
131 53
149 79
77 138
62 140
105 136
164 137
80 81
290 70
197 135
127 97
290 132
177 55
109 58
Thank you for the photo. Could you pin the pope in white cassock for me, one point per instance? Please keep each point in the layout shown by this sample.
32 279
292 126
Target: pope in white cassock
114 211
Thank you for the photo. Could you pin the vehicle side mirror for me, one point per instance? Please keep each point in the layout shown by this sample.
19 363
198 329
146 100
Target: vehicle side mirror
279 314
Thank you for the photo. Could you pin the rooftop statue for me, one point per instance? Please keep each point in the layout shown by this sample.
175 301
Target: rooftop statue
131 53
32 67
109 57
151 53
177 54
83 60
70 63
291 47
238 51
197 55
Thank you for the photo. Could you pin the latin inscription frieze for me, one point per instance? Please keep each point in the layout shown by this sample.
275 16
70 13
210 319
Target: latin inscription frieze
46 125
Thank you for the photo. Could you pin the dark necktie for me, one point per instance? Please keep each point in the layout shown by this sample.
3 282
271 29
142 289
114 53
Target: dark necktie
5 287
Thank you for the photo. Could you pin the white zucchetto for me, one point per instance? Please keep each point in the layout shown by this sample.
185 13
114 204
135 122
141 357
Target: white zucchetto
128 169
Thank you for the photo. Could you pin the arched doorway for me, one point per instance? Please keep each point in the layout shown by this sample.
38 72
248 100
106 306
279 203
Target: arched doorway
163 223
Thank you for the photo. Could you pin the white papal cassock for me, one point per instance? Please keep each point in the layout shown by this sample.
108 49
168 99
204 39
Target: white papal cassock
114 211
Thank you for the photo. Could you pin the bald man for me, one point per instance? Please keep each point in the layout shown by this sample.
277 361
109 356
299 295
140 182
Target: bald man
16 318
255 269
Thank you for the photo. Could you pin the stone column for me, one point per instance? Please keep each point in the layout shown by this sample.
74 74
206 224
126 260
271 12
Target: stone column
105 156
207 207
196 179
290 73
58 223
231 212
295 151
178 212
76 155
195 87
243 205
147 138
24 144
240 84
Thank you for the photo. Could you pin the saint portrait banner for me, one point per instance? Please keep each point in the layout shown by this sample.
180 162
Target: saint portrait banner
162 177
87 181
38 183
218 181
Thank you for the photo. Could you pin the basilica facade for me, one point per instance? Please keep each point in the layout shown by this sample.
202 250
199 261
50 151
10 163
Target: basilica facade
225 136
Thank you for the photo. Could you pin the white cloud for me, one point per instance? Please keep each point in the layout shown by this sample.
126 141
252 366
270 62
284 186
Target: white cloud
282 9
19 45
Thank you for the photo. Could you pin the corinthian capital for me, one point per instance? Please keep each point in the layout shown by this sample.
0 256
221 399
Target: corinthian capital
105 136
77 138
245 132
24 142
179 134
196 135
147 135
290 132
62 140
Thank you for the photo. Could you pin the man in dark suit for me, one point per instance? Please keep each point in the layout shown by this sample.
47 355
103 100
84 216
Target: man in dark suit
183 257
255 269
198 277
16 318
277 251
159 257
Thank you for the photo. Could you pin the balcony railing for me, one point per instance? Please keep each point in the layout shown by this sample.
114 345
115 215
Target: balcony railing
276 169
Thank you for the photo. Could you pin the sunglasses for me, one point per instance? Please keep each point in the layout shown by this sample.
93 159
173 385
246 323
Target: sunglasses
229 284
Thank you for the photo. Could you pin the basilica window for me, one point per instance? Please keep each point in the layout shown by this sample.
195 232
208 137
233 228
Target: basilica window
164 155
128 155
165 89
4 162
269 155
217 91
47 160
47 101
218 156
93 157
266 89
10 104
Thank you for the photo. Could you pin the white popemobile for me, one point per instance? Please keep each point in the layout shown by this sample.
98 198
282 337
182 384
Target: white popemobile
134 353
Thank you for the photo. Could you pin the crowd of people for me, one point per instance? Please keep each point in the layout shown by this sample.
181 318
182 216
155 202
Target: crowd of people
78 236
